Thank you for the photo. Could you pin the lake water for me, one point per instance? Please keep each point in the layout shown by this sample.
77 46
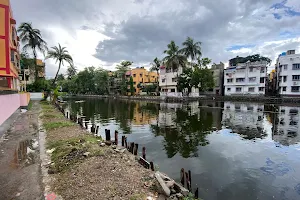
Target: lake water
234 150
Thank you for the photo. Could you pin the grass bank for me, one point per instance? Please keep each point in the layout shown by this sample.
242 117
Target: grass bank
80 168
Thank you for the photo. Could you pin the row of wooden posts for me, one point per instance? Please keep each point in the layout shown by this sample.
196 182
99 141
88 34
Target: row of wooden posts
185 176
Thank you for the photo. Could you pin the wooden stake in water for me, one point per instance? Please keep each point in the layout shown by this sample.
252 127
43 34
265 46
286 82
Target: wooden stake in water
190 177
107 134
116 137
123 140
152 166
182 177
86 125
131 147
197 193
144 152
136 149
97 130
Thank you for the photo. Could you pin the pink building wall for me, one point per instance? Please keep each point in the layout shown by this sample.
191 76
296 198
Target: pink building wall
9 103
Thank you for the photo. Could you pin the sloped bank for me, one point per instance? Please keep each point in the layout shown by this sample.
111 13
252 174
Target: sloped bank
82 167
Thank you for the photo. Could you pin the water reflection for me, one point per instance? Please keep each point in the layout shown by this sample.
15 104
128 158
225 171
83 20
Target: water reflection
234 150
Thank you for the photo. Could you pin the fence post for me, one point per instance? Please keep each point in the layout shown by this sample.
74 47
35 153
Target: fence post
116 137
144 152
152 166
123 140
182 177
197 193
136 149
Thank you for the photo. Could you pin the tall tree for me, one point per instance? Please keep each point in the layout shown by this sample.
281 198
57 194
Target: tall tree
174 59
191 49
32 39
155 66
122 68
71 72
60 54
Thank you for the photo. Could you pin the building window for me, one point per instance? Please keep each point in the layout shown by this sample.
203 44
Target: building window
163 80
174 79
238 80
228 89
296 77
252 79
172 90
229 80
295 88
280 78
262 70
134 75
296 66
285 67
284 78
262 80
238 89
261 89
251 69
12 56
175 70
283 89
251 89
169 70
141 75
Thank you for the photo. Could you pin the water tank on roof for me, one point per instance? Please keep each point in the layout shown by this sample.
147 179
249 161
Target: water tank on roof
283 53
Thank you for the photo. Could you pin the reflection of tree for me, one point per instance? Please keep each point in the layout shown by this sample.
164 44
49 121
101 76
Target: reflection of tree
104 110
189 132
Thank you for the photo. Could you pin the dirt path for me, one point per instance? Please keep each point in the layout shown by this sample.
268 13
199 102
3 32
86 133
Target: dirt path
19 158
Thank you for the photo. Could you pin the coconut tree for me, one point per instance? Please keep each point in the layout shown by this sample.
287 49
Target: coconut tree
191 49
174 59
155 66
32 39
60 54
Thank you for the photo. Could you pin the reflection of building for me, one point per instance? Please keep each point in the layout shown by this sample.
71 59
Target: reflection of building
141 77
246 120
271 87
246 79
167 114
288 126
140 117
288 73
9 48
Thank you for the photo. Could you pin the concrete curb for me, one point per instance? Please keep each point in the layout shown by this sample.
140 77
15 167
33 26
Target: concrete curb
45 162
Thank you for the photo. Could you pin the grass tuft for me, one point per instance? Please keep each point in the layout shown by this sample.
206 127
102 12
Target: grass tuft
53 125
69 152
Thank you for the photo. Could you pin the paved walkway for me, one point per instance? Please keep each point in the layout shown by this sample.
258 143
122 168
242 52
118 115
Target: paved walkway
20 176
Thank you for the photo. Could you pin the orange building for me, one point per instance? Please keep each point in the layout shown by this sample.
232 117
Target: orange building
141 77
9 48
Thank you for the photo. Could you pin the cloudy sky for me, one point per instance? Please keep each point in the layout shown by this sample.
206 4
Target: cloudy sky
105 32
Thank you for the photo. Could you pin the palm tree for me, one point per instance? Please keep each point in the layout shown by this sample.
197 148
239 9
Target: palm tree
174 59
155 67
59 54
191 49
32 39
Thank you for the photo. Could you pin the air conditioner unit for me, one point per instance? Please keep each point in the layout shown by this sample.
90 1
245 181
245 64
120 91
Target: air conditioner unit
295 83
26 71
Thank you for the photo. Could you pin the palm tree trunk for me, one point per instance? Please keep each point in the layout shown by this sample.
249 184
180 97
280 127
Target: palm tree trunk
35 66
56 73
157 82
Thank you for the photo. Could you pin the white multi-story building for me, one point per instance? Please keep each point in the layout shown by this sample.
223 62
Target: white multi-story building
168 82
246 78
288 73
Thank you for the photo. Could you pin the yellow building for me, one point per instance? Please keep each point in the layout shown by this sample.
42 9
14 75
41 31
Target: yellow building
141 77
9 48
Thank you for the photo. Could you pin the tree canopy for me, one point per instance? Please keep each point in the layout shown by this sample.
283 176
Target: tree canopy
251 58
